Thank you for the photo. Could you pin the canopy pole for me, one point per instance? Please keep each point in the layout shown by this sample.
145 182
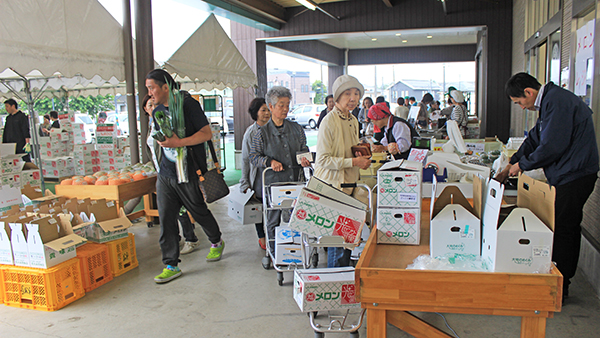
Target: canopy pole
145 60
130 83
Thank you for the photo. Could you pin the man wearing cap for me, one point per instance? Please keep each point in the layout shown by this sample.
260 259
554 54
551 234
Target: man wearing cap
397 132
335 163
563 142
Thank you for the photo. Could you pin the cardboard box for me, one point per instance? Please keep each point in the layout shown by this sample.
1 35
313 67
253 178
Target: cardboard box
455 227
107 222
325 289
11 163
288 249
318 214
51 241
399 184
521 242
243 207
7 149
285 194
11 180
6 255
9 197
18 243
399 226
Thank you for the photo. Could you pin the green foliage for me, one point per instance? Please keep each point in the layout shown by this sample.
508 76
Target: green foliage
91 105
320 90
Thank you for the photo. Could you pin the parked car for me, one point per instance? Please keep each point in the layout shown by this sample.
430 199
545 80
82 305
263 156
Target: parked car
90 126
123 121
307 115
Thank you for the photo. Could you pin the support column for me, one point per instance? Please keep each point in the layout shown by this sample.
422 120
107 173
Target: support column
130 84
334 73
145 60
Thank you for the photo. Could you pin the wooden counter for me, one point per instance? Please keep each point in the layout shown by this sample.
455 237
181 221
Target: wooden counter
118 193
387 290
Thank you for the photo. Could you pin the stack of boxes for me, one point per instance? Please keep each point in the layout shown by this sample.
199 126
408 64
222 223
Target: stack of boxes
399 202
14 172
86 159
107 143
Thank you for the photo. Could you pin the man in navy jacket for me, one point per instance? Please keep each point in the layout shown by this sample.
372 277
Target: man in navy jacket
563 143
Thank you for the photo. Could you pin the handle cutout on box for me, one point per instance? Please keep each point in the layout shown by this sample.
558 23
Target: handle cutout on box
524 241
455 229
118 226
525 186
288 192
68 242
493 193
398 179
398 216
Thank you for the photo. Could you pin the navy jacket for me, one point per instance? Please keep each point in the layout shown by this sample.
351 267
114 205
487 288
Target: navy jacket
563 141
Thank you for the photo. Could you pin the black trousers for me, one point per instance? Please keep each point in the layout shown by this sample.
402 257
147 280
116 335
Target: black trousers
569 202
170 196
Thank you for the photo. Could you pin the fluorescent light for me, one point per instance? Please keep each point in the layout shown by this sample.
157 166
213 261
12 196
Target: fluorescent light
404 41
307 4
398 34
429 36
374 39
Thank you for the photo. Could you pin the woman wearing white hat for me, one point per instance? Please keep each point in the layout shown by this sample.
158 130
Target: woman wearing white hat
459 113
335 163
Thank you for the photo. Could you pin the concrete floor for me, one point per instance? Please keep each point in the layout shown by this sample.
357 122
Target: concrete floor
236 297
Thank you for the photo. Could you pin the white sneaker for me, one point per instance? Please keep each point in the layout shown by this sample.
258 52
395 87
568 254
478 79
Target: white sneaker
189 247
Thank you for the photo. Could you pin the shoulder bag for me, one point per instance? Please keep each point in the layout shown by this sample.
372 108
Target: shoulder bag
212 183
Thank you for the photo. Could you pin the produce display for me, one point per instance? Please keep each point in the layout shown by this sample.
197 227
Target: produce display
114 177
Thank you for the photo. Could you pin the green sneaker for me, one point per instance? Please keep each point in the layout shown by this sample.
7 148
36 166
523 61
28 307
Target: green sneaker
169 273
215 253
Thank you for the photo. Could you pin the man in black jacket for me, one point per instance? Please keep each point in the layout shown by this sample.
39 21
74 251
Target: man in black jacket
16 128
563 143
170 194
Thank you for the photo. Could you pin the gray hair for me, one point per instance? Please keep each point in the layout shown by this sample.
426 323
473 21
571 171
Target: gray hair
277 92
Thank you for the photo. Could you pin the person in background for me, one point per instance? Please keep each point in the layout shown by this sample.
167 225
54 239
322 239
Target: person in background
433 106
191 241
54 119
563 143
329 102
401 111
412 101
459 112
16 129
363 118
407 102
335 162
434 114
397 132
423 116
171 195
44 127
446 112
260 113
276 145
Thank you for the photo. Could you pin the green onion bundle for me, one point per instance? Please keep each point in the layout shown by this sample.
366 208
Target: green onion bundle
178 127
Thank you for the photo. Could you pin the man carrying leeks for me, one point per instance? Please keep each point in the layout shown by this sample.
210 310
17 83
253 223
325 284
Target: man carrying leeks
179 155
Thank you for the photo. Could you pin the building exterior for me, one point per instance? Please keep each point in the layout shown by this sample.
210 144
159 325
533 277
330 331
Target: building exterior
297 82
416 88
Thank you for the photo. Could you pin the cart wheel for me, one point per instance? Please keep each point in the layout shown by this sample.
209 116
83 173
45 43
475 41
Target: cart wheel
354 334
315 260
150 224
266 263
280 278
319 334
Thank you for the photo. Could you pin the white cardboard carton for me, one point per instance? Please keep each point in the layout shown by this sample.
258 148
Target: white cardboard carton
325 289
19 244
519 243
455 227
9 197
6 255
287 246
399 225
242 207
285 194
320 215
107 222
399 184
50 241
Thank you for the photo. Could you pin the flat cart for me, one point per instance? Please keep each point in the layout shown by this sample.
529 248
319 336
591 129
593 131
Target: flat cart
282 201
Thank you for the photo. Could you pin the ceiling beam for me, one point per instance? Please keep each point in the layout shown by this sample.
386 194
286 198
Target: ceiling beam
254 9
268 8
388 3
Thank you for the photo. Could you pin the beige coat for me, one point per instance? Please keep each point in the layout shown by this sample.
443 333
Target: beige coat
334 155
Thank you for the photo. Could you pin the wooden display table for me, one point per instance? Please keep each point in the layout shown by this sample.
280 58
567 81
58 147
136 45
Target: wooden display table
118 193
387 290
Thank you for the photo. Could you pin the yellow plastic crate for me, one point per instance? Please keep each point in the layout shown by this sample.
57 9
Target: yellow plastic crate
95 265
122 255
1 285
42 289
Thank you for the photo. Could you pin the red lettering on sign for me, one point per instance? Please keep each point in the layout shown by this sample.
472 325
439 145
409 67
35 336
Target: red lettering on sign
347 228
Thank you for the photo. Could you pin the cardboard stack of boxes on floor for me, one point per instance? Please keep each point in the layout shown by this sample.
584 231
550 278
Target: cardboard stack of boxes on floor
54 250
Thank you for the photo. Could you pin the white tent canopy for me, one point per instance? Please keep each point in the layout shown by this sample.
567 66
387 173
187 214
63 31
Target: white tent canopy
72 37
209 60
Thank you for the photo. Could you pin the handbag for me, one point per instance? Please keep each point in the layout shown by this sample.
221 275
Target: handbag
212 183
